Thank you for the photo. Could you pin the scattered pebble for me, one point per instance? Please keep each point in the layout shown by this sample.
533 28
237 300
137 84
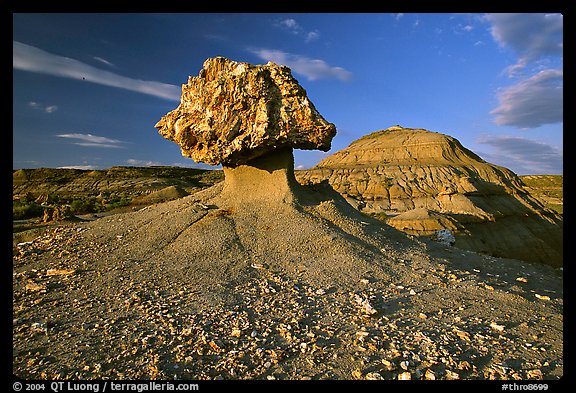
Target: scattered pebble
542 297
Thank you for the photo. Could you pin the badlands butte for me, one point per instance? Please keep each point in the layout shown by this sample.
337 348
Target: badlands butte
263 276
422 182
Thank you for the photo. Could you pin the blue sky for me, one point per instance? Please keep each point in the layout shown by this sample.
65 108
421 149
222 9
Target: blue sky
88 88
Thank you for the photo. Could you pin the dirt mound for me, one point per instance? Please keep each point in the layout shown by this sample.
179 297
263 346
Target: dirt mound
165 194
422 222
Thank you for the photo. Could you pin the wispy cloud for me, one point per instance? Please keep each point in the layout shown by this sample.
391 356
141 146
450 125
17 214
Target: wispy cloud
311 36
312 69
291 25
135 162
104 61
44 108
83 167
89 140
524 156
537 40
461 28
32 59
530 36
532 102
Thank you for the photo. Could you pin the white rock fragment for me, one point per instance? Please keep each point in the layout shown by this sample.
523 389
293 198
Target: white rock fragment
451 375
60 272
405 376
430 375
444 236
40 327
534 374
542 297
365 304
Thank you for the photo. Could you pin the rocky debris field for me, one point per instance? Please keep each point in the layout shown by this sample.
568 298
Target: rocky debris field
447 314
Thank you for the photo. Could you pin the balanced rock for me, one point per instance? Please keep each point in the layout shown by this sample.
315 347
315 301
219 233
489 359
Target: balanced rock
233 112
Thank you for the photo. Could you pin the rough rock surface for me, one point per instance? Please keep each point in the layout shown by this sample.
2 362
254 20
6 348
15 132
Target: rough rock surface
397 170
234 112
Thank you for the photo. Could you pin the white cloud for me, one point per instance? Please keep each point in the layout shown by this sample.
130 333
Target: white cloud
312 69
32 59
293 27
135 162
103 61
522 155
532 102
530 36
83 167
89 140
289 24
536 39
44 108
312 36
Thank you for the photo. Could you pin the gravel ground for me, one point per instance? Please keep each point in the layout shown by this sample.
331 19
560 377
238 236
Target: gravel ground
192 289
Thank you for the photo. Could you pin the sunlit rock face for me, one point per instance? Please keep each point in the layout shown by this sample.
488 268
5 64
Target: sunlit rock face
424 181
233 112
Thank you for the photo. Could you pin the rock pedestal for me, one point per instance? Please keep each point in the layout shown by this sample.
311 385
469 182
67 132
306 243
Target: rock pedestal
265 180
